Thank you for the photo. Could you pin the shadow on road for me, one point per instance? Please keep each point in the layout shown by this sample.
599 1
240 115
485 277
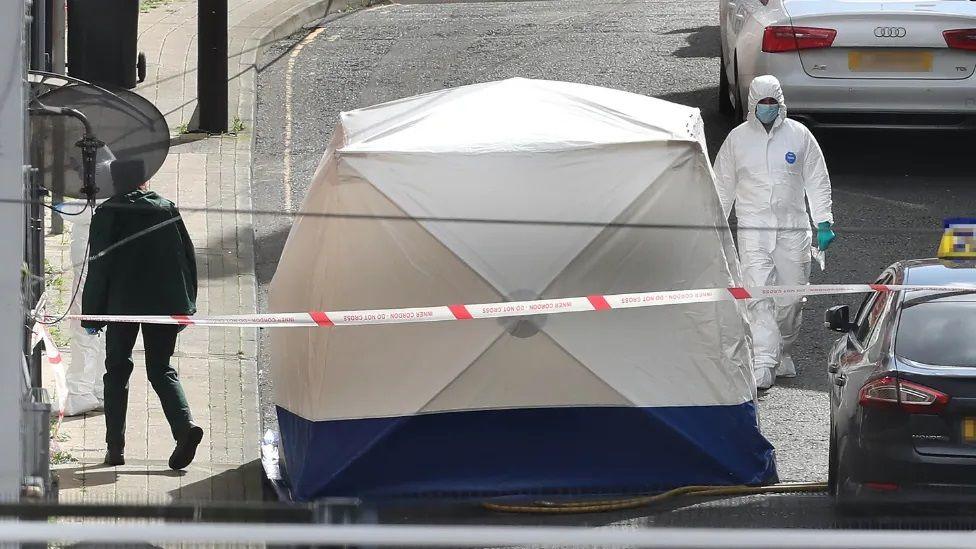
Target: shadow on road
702 42
271 245
898 153
231 485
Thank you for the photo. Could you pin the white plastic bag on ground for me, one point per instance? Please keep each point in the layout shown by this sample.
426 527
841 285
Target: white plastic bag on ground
87 364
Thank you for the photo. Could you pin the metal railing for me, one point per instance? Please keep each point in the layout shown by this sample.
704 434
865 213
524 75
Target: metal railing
475 536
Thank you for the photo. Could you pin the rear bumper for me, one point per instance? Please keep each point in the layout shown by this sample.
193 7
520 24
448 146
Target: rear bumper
932 494
866 103
887 120
895 472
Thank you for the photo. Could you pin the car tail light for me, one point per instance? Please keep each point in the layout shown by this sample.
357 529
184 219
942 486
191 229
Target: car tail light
961 39
891 392
788 38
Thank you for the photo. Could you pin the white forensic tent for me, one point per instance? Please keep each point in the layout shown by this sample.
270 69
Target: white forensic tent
514 190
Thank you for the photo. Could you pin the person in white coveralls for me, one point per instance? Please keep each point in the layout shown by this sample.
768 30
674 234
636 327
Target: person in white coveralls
769 167
84 374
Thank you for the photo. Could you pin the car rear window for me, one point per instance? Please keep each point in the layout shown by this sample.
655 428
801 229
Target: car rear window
938 333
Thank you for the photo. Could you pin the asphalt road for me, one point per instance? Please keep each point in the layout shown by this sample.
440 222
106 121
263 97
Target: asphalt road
663 48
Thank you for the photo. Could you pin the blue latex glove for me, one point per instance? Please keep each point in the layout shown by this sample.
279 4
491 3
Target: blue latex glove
824 235
93 331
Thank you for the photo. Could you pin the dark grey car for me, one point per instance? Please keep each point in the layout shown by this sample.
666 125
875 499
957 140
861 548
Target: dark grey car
903 391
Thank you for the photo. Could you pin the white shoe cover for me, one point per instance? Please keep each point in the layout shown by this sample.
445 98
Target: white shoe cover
764 378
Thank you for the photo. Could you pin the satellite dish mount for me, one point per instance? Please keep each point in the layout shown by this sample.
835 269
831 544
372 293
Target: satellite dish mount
89 145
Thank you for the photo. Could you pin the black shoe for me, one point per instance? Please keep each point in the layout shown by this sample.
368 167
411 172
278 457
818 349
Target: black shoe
186 448
114 458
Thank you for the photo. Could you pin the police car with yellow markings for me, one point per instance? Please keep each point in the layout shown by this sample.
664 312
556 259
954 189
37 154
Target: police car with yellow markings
903 384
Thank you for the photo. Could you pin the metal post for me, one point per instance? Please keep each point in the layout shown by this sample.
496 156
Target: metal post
49 6
59 25
35 218
12 224
35 257
36 229
57 176
212 65
38 35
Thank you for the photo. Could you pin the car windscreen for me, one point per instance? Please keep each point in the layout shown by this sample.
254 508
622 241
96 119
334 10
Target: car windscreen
939 333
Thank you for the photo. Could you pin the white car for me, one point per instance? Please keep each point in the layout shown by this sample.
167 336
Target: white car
856 63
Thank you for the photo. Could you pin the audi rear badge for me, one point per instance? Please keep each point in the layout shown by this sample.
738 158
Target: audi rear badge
890 32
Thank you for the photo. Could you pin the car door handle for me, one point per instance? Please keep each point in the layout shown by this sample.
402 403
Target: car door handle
840 381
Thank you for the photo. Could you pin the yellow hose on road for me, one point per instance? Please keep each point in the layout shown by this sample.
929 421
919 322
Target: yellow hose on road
551 507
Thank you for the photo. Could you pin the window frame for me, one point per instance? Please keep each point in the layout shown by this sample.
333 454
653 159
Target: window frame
863 313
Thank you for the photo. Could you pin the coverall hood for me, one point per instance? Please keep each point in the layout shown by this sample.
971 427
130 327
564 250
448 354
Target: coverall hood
761 88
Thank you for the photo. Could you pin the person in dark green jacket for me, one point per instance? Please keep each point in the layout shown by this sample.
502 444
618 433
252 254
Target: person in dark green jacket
141 262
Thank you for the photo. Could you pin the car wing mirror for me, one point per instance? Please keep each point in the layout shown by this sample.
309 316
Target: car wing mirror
838 319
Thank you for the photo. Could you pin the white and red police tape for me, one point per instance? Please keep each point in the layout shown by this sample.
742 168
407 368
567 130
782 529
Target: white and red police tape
513 308
40 332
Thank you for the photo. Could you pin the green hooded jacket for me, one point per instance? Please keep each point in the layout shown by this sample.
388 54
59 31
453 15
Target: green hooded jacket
152 273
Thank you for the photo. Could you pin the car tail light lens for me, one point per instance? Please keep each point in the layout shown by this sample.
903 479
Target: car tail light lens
891 392
787 38
961 39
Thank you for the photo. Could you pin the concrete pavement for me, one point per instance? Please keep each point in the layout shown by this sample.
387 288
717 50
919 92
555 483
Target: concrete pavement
218 366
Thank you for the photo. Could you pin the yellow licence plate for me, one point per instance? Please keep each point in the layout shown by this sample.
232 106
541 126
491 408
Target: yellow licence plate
889 61
969 429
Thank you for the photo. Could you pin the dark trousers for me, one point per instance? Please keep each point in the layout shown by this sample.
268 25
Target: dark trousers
160 342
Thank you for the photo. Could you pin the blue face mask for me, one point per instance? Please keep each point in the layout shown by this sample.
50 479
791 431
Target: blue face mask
767 113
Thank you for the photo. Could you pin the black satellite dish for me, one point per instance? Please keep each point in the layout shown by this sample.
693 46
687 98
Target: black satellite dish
133 135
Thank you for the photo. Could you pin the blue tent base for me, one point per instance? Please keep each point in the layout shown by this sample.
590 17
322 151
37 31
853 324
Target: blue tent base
534 451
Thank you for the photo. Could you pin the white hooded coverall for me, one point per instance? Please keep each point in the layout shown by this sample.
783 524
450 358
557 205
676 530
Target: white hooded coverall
767 175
